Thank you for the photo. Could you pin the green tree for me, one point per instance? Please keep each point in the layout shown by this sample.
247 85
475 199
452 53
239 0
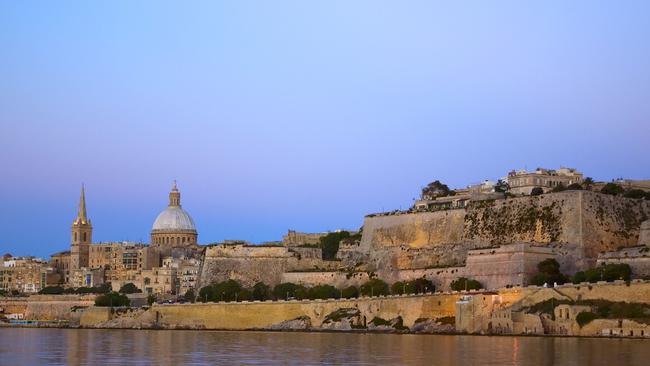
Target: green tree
548 271
374 287
51 290
612 189
129 288
350 292
261 291
585 317
323 292
112 299
574 187
189 295
579 277
635 193
558 188
330 244
288 290
501 186
463 283
588 183
537 191
151 298
436 189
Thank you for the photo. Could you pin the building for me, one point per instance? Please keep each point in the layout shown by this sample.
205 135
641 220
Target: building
60 263
24 274
82 236
173 227
522 182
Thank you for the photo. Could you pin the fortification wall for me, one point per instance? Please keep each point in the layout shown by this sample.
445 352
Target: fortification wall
576 224
253 315
45 307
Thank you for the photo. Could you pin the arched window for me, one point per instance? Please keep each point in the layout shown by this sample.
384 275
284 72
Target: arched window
84 236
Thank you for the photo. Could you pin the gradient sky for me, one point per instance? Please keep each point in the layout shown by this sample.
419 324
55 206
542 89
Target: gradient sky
302 114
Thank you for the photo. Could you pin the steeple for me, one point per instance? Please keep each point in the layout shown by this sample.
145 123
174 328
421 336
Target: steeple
174 196
81 214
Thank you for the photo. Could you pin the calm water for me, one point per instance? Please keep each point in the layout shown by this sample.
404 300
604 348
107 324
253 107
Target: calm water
176 347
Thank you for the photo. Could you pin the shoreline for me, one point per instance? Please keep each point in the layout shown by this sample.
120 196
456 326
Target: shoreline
328 331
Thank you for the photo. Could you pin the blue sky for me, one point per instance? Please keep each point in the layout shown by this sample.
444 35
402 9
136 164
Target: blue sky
304 115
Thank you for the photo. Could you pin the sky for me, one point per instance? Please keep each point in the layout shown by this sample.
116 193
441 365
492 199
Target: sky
305 115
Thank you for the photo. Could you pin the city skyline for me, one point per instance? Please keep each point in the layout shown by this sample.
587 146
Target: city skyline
285 116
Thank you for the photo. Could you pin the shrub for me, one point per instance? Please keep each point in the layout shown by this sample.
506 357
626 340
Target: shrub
229 290
287 290
323 292
151 299
51 290
608 272
261 291
129 288
330 244
537 191
112 299
463 283
579 277
635 193
612 188
574 187
585 317
559 188
374 287
548 272
189 295
418 286
350 292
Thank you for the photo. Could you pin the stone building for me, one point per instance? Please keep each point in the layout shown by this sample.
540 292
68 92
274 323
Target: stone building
522 182
638 257
24 274
82 236
173 227
60 262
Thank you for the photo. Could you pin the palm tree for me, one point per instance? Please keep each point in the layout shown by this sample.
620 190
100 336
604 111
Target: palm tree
588 182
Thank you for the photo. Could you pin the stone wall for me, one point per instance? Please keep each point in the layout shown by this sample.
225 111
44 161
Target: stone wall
265 314
576 224
45 307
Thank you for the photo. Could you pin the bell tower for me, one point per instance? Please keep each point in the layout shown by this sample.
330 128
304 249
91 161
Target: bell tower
82 236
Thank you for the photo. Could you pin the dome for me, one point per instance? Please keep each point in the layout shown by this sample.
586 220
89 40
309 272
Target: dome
174 219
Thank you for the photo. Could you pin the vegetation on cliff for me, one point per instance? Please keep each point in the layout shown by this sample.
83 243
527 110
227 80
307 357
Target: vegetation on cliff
463 283
58 290
112 299
374 287
513 219
548 273
129 288
607 272
417 286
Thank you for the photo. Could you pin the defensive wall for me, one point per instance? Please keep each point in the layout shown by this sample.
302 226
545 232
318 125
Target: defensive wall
577 224
45 307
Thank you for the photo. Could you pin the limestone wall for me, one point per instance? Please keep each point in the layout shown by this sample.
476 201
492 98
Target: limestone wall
45 307
264 314
577 224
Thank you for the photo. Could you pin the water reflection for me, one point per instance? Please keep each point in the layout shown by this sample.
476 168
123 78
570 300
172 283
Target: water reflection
131 347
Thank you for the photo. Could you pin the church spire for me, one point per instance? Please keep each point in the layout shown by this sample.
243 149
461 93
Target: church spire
174 196
81 214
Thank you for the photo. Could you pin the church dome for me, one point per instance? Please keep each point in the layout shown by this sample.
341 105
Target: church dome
174 219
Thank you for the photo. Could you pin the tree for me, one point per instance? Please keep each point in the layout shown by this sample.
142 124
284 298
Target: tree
612 189
635 193
51 290
537 191
129 288
350 292
323 292
463 283
574 187
579 277
501 186
588 183
417 286
436 189
151 299
288 290
330 244
374 287
189 295
548 271
261 291
558 188
112 299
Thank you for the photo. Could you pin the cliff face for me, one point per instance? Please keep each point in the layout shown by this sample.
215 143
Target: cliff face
578 224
